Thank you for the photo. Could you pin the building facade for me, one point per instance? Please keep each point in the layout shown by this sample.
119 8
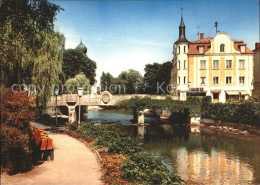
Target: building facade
257 70
219 66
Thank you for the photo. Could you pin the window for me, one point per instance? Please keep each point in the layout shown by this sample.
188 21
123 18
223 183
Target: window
179 49
179 64
179 80
215 80
241 64
203 64
222 47
228 80
215 64
184 64
184 80
202 80
184 49
228 64
242 80
201 49
243 49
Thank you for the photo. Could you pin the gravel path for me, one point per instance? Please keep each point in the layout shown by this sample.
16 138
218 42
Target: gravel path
74 163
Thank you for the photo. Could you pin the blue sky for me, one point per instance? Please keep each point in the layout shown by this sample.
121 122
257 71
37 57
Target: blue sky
122 35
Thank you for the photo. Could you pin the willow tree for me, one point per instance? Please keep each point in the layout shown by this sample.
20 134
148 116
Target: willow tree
31 51
47 65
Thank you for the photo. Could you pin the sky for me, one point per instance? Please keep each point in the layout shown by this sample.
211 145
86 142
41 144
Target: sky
128 34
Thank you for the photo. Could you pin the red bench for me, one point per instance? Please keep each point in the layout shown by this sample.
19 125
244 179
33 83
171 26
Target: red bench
44 145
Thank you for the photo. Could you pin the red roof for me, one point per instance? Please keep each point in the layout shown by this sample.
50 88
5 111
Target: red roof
206 43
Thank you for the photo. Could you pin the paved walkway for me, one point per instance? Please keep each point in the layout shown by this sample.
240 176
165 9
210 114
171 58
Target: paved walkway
74 163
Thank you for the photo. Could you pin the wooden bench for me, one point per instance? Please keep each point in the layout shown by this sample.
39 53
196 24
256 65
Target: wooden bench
44 145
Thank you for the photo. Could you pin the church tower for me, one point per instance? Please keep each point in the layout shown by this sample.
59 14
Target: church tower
179 72
82 47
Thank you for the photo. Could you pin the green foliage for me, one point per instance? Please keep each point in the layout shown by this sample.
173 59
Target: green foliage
106 80
73 126
239 112
79 80
205 105
181 110
247 112
126 146
114 142
22 24
124 83
145 168
139 167
157 73
75 61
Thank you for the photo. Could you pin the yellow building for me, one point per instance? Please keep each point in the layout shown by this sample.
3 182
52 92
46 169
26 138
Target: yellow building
220 67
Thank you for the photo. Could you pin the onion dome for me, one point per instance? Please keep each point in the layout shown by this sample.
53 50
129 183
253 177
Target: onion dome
82 47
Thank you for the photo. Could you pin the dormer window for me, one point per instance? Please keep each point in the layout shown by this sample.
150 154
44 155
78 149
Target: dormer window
242 49
222 47
201 49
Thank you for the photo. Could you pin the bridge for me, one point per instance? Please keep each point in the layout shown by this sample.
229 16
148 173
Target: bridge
71 101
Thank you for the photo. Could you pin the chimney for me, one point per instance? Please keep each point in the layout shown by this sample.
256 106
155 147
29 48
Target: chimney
257 45
202 36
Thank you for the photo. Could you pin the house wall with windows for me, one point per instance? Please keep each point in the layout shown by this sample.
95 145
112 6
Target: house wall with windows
220 67
224 69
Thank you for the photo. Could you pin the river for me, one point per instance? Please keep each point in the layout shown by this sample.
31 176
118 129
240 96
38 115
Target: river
198 154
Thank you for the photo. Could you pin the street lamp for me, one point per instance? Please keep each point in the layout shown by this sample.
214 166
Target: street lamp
56 92
189 87
80 93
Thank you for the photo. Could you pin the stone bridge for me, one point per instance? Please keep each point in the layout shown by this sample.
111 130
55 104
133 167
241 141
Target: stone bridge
104 99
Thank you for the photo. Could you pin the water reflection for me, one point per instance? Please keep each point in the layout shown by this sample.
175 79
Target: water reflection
199 155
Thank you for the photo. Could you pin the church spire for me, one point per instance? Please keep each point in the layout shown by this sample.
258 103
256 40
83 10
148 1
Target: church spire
182 37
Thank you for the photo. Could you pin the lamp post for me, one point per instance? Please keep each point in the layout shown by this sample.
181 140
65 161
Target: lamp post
56 92
189 87
80 93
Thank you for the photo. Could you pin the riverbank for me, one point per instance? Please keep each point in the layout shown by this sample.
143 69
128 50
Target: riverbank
74 163
229 127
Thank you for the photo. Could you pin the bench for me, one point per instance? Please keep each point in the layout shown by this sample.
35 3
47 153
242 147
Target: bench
43 145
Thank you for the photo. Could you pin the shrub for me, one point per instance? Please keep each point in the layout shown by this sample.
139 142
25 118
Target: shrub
16 143
73 126
205 103
194 106
247 112
125 146
144 168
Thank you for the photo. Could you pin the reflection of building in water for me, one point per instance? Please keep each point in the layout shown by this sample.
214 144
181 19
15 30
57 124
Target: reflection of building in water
195 129
215 168
141 131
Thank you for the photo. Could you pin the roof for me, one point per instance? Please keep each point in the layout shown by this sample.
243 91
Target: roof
82 47
206 43
205 40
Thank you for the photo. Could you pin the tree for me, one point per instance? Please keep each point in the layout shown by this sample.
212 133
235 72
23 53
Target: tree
157 74
128 82
31 51
79 80
47 66
75 61
20 22
106 80
132 80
